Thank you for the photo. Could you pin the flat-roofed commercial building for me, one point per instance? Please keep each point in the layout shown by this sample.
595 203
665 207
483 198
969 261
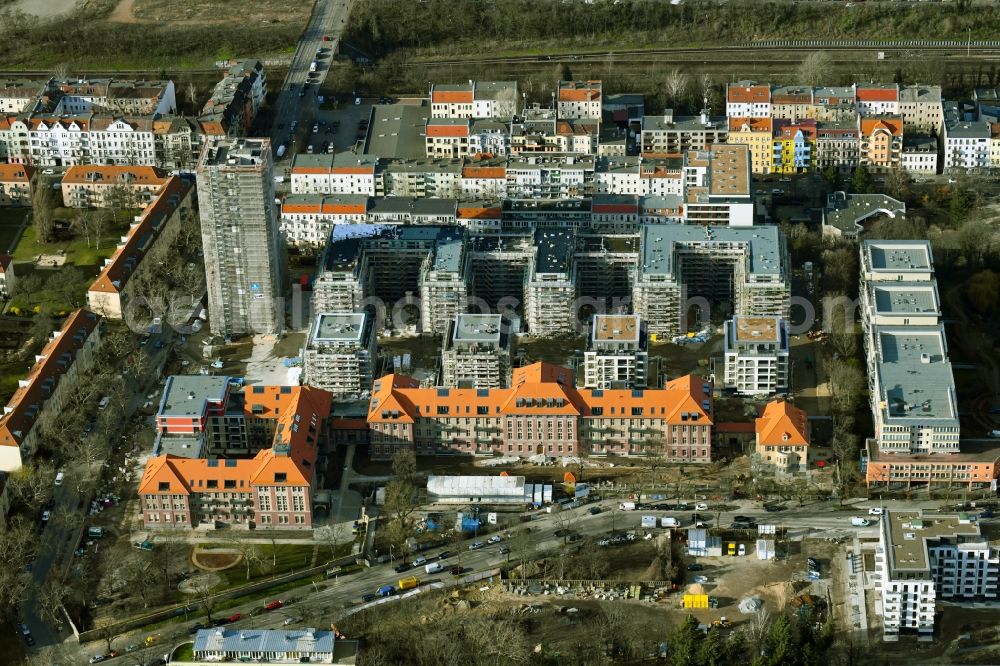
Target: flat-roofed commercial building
340 354
616 356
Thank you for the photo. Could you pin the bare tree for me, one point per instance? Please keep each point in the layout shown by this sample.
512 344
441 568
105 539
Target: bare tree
192 94
249 551
17 542
815 69
708 93
32 484
61 71
897 183
675 86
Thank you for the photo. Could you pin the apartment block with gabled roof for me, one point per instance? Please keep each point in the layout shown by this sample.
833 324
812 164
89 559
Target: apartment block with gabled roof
542 413
58 367
260 446
579 99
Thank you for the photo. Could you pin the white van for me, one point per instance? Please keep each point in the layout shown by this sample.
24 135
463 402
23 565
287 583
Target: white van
59 478
433 567
103 404
858 521
627 506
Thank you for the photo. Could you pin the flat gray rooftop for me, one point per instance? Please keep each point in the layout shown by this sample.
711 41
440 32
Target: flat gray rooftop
339 327
412 205
182 446
848 211
762 245
186 395
448 252
897 256
397 130
915 375
477 328
906 298
555 250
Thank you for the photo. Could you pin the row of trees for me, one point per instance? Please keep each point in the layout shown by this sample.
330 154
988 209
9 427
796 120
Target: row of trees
386 25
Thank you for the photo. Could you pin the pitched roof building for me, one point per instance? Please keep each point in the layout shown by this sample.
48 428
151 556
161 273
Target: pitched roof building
279 428
542 413
782 436
68 354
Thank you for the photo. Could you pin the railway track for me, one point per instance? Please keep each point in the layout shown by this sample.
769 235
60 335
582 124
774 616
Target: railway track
982 50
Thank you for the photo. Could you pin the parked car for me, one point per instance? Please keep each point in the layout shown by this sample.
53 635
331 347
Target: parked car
496 538
701 506
456 571
400 568
291 620
875 511
235 617
743 549
274 605
742 519
695 566
476 545
366 598
444 555
594 510
97 658
504 549
701 579
419 562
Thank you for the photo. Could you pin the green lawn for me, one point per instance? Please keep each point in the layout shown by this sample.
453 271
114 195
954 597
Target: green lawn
75 247
10 220
284 558
57 292
184 653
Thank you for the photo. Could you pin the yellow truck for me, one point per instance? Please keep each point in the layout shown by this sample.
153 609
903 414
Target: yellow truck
732 549
408 583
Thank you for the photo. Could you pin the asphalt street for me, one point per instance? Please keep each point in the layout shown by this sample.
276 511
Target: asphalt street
57 542
294 102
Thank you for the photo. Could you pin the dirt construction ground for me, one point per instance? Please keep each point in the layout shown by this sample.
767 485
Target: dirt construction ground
207 12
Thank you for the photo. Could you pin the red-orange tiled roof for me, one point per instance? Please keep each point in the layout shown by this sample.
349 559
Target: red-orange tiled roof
781 423
878 95
126 258
452 97
892 125
748 94
16 173
55 359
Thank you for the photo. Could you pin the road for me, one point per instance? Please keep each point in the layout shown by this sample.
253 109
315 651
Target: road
318 606
57 542
295 103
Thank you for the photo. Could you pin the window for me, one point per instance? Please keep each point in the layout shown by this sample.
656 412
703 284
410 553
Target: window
280 477
164 486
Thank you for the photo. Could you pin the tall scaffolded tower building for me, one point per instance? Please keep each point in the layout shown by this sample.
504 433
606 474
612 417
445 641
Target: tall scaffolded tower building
244 260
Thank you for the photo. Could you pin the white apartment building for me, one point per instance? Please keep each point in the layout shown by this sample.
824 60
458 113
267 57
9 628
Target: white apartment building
340 354
345 173
920 154
921 558
475 99
616 356
910 380
17 95
746 99
307 219
579 99
756 355
476 352
877 99
966 144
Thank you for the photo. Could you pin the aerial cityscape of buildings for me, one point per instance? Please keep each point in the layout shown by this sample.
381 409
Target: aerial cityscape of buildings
488 316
